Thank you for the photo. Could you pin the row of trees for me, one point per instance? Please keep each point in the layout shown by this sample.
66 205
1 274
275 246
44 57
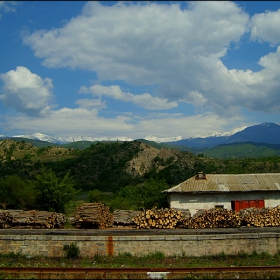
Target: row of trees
147 195
45 192
49 193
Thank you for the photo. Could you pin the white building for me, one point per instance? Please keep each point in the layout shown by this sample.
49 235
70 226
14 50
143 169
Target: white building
228 191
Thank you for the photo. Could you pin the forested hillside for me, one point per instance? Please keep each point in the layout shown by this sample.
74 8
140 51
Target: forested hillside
116 168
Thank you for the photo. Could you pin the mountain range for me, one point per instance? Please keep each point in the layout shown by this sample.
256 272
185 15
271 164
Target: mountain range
262 133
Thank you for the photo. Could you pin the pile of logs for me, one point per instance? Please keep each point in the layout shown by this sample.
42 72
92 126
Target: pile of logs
5 219
92 215
124 218
159 218
261 217
31 219
214 218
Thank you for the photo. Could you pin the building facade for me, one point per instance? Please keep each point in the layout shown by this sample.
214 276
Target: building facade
227 191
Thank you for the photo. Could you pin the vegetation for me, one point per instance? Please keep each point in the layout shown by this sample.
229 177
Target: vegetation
243 150
51 193
156 259
146 196
50 178
71 250
15 193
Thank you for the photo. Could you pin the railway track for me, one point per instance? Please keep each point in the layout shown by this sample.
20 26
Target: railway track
137 273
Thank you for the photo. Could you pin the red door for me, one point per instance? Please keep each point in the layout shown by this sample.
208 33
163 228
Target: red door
237 205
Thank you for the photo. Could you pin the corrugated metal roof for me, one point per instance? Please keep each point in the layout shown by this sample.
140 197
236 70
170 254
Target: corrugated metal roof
230 183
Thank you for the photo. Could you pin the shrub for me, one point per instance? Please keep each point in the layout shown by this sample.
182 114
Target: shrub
72 251
159 256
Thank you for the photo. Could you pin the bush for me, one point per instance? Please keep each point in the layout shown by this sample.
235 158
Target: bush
159 256
72 251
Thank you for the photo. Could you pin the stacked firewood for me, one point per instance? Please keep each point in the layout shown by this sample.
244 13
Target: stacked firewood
124 217
159 218
5 219
214 218
92 215
261 217
31 219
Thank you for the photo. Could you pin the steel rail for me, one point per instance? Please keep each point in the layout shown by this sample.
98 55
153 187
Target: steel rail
138 270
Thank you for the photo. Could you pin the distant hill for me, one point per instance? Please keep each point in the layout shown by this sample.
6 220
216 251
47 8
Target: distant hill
259 140
242 150
36 143
109 166
263 133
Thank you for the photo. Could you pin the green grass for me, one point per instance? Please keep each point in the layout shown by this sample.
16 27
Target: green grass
153 260
157 259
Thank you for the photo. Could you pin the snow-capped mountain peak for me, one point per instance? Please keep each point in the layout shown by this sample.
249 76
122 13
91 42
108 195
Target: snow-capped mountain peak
228 133
159 140
194 141
65 140
39 136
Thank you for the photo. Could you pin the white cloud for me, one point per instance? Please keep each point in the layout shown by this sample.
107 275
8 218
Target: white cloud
70 122
179 50
265 27
7 6
145 100
261 88
26 92
91 103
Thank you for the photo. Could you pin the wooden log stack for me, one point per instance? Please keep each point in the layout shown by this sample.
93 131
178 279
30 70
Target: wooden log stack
92 215
31 219
123 218
261 217
159 219
214 218
5 219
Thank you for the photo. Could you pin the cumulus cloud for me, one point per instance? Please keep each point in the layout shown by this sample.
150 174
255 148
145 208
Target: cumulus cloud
90 103
26 92
180 50
261 88
265 27
149 44
144 100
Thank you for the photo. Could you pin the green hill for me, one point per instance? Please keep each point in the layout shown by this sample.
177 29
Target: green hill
110 166
243 150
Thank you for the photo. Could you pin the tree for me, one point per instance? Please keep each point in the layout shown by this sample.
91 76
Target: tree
95 196
136 197
15 193
51 193
152 194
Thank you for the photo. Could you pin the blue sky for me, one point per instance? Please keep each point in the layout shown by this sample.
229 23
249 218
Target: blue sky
134 69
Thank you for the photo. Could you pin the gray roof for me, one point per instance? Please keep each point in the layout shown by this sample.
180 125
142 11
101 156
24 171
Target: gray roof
229 183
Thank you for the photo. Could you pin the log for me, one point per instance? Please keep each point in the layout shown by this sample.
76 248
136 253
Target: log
92 215
260 217
159 218
214 218
31 219
124 217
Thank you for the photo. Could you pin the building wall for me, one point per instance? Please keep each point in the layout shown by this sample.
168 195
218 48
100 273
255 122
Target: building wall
195 202
170 245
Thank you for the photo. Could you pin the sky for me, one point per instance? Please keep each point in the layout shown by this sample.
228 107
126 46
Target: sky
138 69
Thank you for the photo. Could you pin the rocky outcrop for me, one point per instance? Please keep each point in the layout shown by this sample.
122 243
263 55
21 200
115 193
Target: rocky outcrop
150 157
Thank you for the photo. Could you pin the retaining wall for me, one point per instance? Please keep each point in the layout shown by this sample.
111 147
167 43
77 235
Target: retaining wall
171 245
